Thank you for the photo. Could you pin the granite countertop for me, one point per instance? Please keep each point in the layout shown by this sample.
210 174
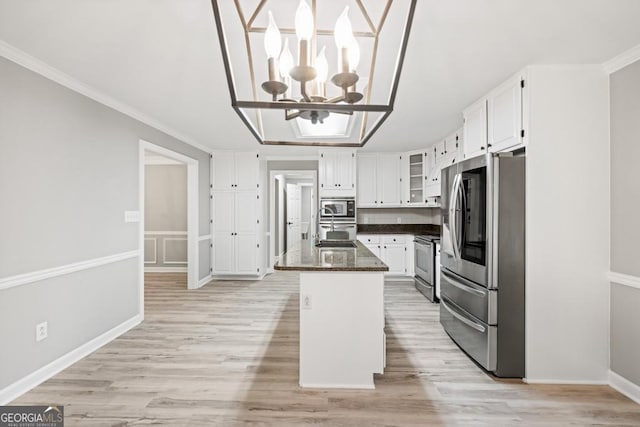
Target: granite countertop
415 229
307 257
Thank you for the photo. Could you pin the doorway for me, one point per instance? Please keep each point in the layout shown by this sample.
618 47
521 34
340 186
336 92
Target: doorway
168 198
293 209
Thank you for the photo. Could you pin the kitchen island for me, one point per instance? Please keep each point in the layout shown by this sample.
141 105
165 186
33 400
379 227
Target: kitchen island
342 340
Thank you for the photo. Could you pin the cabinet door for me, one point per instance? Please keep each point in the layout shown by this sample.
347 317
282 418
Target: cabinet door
367 180
440 150
394 257
246 207
389 180
344 170
224 174
475 130
375 249
246 254
223 232
327 165
247 171
505 115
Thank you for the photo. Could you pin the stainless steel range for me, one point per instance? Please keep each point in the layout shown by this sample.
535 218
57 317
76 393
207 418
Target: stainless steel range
426 267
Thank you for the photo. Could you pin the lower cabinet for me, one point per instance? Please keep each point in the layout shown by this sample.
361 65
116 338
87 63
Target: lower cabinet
391 249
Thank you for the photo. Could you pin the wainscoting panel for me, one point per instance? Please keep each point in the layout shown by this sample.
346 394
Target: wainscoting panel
165 251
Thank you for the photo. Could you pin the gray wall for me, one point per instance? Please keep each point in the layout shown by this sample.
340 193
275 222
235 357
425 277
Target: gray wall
625 230
68 171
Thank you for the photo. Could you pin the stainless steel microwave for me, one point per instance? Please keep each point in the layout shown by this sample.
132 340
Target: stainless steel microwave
342 209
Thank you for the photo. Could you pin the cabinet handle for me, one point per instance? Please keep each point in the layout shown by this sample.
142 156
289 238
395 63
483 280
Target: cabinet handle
394 240
378 247
385 247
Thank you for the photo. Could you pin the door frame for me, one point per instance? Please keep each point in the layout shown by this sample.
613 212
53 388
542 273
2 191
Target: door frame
272 257
192 212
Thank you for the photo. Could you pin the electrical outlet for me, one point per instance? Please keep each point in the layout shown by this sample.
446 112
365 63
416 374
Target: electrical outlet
131 216
42 331
399 220
306 302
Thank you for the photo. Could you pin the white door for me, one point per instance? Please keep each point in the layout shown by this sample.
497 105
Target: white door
388 180
505 115
367 180
224 171
246 232
293 215
246 254
223 232
475 130
394 257
247 166
327 170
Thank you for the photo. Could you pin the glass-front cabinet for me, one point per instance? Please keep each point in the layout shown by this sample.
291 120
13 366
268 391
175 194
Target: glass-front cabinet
416 166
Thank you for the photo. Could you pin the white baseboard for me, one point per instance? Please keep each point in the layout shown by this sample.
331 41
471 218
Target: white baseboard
165 269
341 386
567 382
624 386
20 387
238 277
204 281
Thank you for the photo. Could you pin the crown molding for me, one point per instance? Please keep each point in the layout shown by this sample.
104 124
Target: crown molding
624 59
39 67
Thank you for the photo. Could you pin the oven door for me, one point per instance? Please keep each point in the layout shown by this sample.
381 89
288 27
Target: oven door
465 244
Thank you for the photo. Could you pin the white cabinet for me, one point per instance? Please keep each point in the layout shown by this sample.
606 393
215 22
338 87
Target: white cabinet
337 173
235 171
367 180
415 167
504 115
391 249
238 212
475 129
445 153
379 180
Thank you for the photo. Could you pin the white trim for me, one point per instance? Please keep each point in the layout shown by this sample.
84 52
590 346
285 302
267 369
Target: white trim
165 269
204 238
340 386
624 279
165 233
23 279
27 61
294 159
623 60
624 386
155 250
568 382
164 249
239 277
23 385
204 280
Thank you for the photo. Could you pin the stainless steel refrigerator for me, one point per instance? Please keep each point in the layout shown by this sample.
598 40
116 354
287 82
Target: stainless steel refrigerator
482 275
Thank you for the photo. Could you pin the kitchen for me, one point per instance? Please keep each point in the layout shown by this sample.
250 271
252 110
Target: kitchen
470 259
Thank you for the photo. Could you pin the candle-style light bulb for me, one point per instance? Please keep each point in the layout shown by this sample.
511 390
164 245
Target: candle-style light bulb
343 32
322 66
354 54
304 21
286 60
272 39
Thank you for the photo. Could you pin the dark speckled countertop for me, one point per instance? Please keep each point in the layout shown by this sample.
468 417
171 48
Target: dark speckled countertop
307 257
415 229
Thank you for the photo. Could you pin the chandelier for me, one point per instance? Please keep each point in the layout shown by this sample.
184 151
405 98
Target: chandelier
306 99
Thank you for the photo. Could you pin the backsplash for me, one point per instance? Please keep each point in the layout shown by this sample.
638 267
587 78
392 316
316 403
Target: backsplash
399 216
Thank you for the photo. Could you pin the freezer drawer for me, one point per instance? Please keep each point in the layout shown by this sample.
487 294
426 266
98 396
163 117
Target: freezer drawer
476 338
476 300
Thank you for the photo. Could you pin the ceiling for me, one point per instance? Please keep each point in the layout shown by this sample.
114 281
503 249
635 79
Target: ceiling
162 57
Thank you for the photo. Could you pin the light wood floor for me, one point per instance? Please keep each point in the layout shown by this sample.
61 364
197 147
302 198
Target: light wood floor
227 354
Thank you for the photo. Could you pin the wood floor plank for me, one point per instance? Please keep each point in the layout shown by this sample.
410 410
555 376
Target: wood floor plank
227 354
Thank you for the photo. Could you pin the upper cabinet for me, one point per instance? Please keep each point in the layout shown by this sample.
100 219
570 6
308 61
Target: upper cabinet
496 122
337 173
379 180
415 167
445 153
235 171
504 115
475 129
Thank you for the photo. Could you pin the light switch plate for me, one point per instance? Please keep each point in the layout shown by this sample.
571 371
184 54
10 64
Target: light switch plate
131 216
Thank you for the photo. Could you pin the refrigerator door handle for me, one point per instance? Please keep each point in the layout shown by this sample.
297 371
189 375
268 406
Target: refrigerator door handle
478 327
453 215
